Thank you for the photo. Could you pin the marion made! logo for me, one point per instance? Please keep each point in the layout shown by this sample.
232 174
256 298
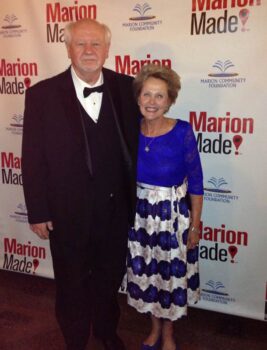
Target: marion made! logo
221 244
220 134
221 17
57 15
22 257
10 168
16 76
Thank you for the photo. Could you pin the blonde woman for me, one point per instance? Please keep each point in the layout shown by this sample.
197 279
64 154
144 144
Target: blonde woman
163 244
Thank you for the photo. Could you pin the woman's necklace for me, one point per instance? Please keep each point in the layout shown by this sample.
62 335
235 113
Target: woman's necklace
163 127
147 145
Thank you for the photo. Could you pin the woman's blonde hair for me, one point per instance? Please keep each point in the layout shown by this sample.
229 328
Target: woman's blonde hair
166 74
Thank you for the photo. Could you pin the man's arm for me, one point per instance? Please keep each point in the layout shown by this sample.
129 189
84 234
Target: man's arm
34 165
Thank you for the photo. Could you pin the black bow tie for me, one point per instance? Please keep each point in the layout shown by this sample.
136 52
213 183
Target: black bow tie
87 91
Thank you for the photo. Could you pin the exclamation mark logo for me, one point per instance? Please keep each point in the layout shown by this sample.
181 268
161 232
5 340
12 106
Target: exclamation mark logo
35 265
27 82
237 140
232 250
243 15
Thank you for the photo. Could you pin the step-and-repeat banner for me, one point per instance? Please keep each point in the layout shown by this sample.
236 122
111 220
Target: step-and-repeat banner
219 48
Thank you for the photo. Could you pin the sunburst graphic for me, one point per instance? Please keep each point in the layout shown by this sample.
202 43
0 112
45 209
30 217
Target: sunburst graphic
10 19
223 67
22 210
217 184
18 120
142 9
215 288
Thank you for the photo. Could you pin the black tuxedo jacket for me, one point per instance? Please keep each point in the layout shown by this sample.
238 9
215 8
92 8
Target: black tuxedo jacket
55 159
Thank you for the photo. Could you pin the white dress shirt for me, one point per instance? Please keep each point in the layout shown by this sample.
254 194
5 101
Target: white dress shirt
92 103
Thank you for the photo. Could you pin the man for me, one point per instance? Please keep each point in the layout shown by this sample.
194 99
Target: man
79 155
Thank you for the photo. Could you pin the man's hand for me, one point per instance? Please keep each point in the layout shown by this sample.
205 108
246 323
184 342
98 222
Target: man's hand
42 229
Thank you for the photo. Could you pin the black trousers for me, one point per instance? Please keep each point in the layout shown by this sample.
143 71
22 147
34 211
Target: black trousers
88 274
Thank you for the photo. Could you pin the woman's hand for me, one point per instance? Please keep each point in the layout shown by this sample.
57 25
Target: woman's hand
193 237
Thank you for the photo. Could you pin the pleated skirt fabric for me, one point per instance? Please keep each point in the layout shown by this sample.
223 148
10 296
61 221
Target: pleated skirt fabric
162 275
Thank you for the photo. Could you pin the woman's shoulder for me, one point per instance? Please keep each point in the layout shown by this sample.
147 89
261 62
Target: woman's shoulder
183 124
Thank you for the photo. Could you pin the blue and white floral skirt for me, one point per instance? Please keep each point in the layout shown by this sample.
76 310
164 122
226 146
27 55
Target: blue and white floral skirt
162 275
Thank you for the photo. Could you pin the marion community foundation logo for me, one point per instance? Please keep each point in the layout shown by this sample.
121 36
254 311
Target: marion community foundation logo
16 124
11 27
20 214
223 76
217 190
215 292
143 20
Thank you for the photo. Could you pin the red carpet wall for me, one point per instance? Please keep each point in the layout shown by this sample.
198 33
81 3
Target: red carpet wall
219 49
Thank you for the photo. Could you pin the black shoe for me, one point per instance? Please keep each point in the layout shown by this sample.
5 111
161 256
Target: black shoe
114 343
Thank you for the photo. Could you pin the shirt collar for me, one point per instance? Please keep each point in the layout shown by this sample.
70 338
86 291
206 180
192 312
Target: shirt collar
80 84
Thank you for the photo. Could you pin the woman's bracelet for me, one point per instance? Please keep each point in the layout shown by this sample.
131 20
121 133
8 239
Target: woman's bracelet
194 229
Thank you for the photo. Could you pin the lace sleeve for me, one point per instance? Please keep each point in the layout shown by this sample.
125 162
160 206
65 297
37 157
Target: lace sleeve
193 163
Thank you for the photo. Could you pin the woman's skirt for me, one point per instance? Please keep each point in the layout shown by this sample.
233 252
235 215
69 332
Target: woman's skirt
162 275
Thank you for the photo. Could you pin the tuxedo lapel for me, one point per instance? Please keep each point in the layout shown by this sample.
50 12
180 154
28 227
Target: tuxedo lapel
73 115
113 94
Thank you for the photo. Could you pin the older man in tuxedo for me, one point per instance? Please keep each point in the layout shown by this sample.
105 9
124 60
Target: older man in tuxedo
78 166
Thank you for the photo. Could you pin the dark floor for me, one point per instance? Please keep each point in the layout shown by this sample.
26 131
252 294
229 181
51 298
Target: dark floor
27 322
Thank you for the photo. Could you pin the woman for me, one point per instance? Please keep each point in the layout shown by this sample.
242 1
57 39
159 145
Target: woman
162 266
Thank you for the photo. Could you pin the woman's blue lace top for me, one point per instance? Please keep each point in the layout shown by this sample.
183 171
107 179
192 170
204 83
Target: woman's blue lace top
172 157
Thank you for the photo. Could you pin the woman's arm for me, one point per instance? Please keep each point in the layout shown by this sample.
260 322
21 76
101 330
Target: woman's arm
194 228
